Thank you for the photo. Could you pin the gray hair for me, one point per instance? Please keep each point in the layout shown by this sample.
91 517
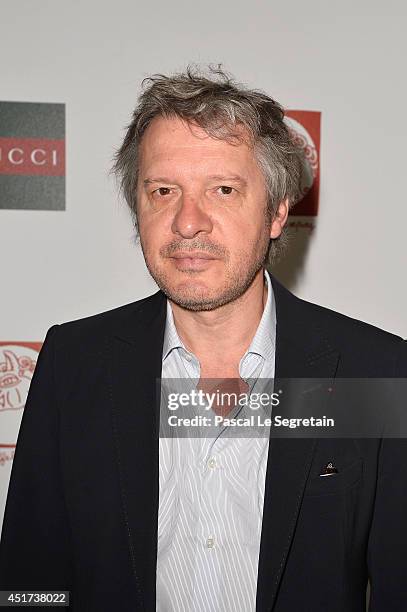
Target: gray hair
220 106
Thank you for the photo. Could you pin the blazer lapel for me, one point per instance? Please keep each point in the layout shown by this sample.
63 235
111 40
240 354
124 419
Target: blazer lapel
303 352
135 351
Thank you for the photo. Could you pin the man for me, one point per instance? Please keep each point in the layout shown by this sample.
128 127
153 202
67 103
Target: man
99 504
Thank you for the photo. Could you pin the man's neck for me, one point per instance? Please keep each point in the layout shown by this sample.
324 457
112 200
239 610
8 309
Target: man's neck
224 334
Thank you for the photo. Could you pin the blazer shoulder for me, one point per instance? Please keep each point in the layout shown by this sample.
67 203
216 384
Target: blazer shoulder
359 341
338 321
299 314
98 326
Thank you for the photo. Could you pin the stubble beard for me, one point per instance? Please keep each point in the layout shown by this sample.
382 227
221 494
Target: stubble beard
237 279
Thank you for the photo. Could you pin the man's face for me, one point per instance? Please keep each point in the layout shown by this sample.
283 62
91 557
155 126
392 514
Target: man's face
201 210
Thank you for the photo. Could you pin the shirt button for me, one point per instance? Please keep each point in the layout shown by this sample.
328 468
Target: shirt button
210 542
188 357
212 463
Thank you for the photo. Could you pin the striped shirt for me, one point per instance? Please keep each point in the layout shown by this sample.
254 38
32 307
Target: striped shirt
211 493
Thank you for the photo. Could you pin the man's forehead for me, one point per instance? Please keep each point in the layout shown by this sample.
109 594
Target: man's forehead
175 131
172 138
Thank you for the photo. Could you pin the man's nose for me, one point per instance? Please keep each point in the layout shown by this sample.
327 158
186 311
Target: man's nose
190 218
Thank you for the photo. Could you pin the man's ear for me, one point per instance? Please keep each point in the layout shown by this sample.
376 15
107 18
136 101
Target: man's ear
279 219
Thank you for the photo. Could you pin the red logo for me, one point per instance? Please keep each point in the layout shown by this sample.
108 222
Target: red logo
305 127
32 156
17 364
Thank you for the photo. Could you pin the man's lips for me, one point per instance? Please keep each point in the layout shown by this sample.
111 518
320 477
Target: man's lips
192 255
187 260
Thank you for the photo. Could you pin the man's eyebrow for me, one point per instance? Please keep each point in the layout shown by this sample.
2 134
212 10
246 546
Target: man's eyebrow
158 179
233 178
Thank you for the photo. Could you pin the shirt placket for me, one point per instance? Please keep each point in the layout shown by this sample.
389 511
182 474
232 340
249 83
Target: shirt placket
210 534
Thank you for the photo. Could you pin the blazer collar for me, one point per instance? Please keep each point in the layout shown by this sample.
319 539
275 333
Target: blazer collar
303 347
135 358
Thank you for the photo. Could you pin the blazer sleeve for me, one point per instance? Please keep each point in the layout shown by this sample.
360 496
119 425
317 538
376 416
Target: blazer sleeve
387 549
35 543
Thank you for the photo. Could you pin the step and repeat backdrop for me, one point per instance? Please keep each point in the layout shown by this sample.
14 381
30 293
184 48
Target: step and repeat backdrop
70 76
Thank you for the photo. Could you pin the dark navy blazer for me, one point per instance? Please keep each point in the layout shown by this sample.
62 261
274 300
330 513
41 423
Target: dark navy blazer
81 511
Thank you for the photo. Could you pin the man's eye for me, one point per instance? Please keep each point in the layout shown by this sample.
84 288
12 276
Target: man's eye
225 189
162 191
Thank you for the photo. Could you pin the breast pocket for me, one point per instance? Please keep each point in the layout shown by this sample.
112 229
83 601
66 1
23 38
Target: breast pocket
349 476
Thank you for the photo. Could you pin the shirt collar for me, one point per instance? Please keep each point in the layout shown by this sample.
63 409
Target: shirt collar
171 337
263 342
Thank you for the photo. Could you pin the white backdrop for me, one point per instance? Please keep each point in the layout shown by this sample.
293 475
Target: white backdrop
344 59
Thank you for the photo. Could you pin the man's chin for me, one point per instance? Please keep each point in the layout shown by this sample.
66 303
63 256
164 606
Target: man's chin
202 300
196 305
199 293
194 301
